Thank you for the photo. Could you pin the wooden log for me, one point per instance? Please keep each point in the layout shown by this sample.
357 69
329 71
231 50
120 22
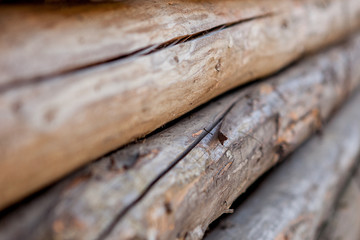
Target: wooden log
174 183
120 90
345 222
77 36
81 35
295 199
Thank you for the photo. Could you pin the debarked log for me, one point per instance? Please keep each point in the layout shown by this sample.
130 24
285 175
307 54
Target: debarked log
295 200
344 223
174 183
107 87
68 37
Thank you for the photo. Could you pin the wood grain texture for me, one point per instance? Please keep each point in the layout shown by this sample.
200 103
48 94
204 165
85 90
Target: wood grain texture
295 199
66 37
174 183
64 121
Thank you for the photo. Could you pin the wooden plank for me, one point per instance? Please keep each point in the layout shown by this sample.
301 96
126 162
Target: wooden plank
65 121
158 187
296 198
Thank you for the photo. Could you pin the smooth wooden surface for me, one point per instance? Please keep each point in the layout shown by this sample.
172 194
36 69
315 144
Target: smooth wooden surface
296 198
64 121
137 192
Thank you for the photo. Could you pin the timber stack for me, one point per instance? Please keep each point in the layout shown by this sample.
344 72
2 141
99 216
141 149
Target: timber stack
181 119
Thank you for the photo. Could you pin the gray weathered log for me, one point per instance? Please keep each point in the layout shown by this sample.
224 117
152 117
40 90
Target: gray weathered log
174 183
297 197
110 87
345 222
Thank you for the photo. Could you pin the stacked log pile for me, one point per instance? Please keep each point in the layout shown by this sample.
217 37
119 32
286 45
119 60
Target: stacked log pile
80 82
295 200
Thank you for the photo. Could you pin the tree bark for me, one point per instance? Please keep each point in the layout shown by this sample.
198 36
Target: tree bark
174 183
62 109
296 198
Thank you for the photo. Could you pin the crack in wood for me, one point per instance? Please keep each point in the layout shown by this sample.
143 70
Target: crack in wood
181 156
137 53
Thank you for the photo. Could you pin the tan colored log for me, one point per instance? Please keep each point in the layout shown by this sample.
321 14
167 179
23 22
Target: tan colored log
174 183
345 222
62 122
297 198
67 37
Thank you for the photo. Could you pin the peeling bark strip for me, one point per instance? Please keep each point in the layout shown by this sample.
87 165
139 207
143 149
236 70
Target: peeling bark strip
250 130
297 197
107 106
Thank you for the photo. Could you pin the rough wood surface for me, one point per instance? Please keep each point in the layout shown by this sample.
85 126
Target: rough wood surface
174 183
77 36
116 93
67 37
296 198
345 222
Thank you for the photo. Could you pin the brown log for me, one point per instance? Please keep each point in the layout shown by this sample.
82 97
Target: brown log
174 183
114 96
295 200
